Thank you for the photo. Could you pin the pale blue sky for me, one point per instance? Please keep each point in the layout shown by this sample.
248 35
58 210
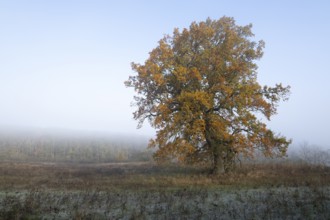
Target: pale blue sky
63 62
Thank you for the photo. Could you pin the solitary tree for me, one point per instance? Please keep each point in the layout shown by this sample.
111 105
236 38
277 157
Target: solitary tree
199 90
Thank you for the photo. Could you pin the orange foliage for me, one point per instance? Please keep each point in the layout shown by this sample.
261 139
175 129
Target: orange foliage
199 90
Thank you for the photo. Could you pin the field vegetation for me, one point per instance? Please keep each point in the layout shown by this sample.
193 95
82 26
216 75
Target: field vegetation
100 185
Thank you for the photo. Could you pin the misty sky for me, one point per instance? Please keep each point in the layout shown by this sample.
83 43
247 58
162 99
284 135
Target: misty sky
63 62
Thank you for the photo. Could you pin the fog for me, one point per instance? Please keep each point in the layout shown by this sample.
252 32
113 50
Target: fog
63 64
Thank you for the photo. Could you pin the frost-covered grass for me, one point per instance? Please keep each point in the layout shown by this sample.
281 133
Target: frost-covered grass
202 203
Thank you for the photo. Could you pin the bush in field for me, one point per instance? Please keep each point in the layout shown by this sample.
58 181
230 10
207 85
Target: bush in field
314 155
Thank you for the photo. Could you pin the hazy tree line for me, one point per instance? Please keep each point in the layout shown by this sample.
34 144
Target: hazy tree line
311 154
103 149
54 148
303 153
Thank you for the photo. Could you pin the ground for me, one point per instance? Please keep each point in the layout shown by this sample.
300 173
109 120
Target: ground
145 190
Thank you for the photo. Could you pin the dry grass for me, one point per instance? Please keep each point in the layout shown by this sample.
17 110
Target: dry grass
19 176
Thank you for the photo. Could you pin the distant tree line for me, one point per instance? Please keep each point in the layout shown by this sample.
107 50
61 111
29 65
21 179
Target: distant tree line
71 149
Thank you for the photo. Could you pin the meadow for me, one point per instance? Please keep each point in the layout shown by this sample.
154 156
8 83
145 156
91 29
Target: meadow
129 185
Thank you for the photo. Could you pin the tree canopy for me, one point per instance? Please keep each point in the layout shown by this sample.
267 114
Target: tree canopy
199 90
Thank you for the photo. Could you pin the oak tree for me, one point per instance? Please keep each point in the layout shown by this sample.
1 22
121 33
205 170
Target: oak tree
199 90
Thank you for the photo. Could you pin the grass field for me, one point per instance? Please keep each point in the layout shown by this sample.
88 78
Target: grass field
144 190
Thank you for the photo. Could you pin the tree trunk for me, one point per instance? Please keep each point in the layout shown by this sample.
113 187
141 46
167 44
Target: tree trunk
215 147
218 165
229 159
224 159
